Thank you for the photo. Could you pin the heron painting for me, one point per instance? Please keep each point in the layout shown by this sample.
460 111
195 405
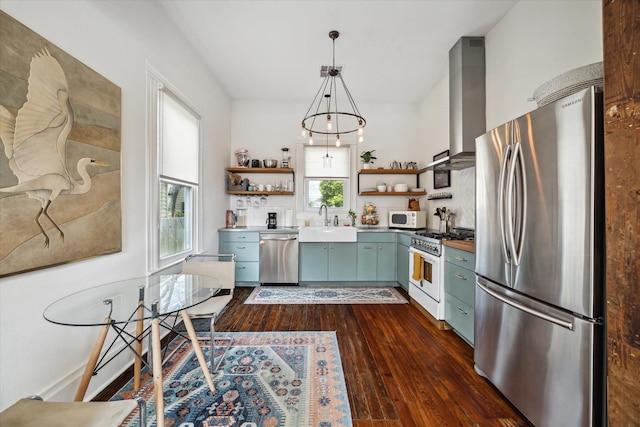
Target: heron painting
60 168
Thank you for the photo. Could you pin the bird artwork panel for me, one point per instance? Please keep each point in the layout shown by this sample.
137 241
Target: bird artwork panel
60 128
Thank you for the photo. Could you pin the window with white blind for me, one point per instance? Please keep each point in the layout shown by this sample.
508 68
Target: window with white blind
326 177
175 145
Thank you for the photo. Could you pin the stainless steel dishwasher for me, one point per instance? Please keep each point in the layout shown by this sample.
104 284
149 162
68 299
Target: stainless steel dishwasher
278 258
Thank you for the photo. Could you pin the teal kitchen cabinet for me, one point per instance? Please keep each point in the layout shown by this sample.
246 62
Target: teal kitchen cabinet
402 260
386 266
376 257
342 261
313 265
459 287
367 261
327 262
245 246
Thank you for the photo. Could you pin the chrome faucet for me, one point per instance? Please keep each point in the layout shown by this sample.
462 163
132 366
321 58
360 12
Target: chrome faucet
326 218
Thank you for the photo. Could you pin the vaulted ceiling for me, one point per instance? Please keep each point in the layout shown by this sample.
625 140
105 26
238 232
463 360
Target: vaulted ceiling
391 51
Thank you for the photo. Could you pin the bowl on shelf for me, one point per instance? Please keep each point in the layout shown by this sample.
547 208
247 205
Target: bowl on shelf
401 188
382 188
270 163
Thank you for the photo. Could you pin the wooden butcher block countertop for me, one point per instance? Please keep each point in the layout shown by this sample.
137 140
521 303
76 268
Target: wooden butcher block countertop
465 245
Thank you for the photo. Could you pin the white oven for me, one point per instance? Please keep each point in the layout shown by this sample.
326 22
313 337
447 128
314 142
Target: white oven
426 281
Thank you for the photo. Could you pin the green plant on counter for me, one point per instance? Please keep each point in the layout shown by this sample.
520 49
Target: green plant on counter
352 215
367 156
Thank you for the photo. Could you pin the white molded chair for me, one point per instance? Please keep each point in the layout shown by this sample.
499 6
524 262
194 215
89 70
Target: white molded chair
34 412
223 268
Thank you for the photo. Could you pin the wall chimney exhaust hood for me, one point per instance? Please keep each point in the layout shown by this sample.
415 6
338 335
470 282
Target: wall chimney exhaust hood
467 118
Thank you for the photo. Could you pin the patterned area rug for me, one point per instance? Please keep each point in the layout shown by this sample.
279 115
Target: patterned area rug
328 295
272 379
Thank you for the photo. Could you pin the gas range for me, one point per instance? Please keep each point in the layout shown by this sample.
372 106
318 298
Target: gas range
426 280
431 241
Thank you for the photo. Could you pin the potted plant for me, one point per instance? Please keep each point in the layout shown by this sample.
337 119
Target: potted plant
352 216
367 157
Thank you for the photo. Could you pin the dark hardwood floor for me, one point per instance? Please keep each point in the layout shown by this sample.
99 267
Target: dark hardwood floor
400 370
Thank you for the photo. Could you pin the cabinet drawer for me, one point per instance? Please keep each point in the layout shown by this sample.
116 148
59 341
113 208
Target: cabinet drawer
364 236
247 272
460 316
462 258
460 282
239 236
244 251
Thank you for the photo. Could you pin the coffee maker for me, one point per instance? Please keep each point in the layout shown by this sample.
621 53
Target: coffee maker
272 220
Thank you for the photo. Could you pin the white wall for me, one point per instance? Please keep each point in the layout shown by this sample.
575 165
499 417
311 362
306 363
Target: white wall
533 43
116 40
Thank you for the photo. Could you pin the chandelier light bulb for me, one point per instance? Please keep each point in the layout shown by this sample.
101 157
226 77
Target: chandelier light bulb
360 128
329 125
338 141
310 138
360 139
326 161
304 132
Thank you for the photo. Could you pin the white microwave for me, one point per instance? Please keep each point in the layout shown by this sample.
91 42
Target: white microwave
408 219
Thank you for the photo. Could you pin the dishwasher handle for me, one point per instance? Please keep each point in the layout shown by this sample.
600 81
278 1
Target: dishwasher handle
276 239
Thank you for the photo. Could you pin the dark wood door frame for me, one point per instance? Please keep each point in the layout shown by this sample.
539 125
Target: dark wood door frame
621 46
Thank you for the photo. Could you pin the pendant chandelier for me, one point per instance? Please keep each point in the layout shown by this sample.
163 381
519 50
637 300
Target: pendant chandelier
324 117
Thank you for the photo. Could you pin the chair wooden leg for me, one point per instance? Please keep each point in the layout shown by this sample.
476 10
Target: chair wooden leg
157 371
92 362
196 347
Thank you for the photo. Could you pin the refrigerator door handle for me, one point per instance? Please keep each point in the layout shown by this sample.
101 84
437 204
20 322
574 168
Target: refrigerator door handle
517 195
522 217
501 202
544 316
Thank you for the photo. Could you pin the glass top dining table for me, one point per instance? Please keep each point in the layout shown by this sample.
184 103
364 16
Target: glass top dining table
166 294
149 300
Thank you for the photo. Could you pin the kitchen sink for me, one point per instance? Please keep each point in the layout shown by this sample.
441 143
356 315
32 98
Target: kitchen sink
328 234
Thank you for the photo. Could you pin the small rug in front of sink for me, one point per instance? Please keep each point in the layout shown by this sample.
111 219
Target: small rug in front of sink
325 295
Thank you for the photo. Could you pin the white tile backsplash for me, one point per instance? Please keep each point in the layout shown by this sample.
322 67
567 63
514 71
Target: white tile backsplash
463 203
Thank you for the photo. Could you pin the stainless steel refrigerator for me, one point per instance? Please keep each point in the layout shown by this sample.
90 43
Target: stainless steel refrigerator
539 308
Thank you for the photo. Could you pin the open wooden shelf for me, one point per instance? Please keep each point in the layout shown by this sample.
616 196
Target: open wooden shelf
260 170
393 193
383 171
261 193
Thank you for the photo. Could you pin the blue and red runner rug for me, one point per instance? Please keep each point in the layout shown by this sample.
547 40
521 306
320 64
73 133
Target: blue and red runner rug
325 295
271 379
